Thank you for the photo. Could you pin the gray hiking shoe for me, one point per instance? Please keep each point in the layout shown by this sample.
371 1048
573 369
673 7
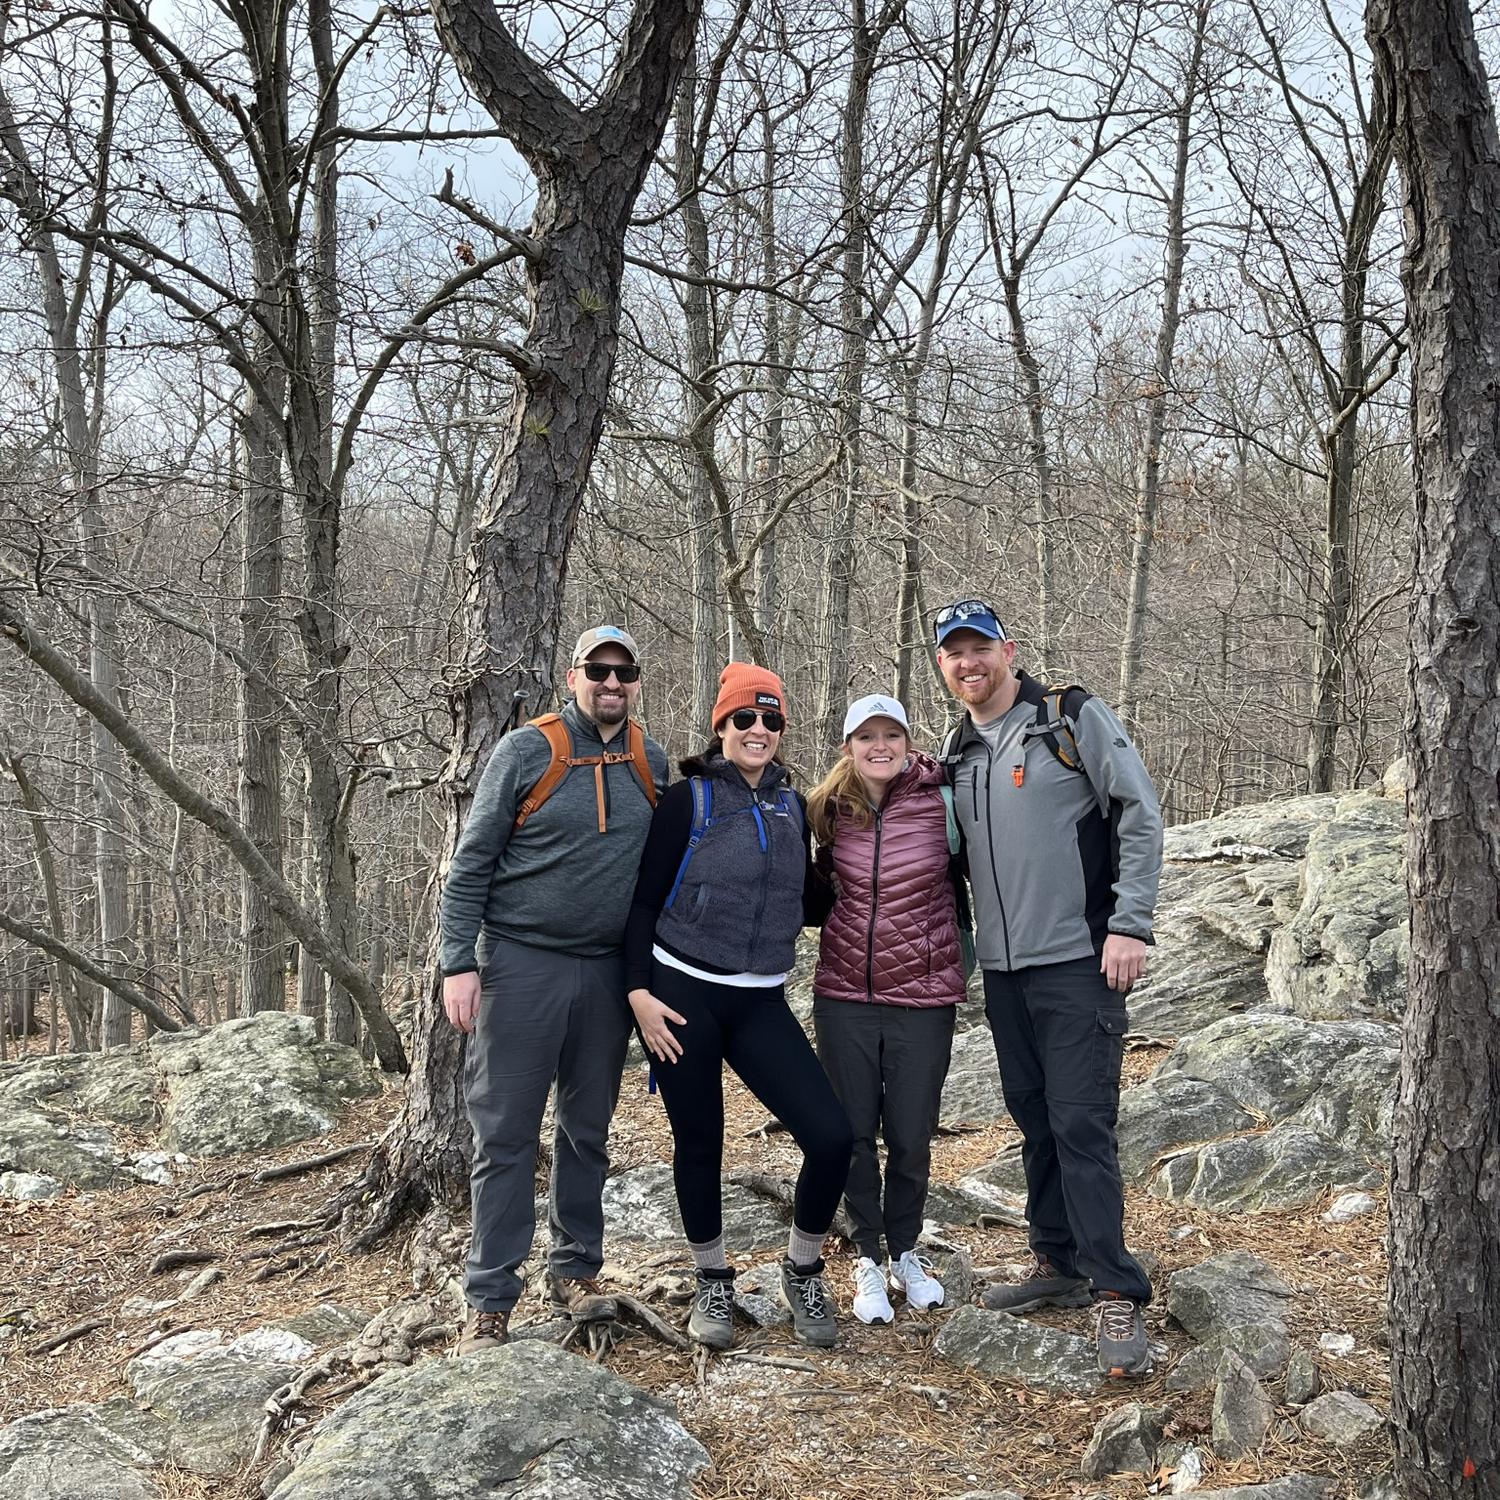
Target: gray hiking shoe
1123 1350
711 1322
812 1313
1041 1287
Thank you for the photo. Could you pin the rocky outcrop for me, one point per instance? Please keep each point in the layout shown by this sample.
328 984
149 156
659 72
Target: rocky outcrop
1234 1302
253 1084
555 1427
998 1345
102 1451
640 1206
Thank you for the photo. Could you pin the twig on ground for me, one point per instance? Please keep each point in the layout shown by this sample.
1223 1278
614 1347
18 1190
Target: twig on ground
284 1247
635 1311
282 1226
311 1163
159 1337
780 1361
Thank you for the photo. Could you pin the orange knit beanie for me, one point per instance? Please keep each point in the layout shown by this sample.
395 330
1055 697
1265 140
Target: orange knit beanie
744 686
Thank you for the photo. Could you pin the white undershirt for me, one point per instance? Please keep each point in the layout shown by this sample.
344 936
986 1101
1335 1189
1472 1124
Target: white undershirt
739 981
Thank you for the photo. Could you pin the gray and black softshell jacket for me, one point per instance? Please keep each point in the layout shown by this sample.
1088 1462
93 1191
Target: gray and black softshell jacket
559 883
1058 859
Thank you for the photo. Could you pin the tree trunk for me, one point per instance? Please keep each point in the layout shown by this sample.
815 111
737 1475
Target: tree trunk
589 167
1149 483
1444 1230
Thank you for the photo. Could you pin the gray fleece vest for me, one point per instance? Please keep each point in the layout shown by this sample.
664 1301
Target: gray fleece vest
738 906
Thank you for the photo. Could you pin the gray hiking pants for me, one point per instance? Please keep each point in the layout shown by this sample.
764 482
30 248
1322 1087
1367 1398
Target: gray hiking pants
543 1015
887 1064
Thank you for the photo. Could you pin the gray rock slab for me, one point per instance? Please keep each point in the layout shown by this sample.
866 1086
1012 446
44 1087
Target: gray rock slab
757 1294
1288 1166
1303 1378
327 1323
100 1451
1259 830
953 1205
1344 952
212 1392
641 1206
1217 896
1292 1487
1355 1104
1234 1301
73 1152
971 1094
1273 1064
1166 1113
1242 1411
1195 1371
1125 1441
1341 1417
1195 977
1001 1183
255 1083
555 1427
997 1344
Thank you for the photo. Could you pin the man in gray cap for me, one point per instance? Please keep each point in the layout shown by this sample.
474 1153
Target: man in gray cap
533 914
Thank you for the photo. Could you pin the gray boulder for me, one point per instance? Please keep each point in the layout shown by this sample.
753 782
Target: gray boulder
212 1392
971 1094
1125 1441
997 1344
1303 1378
94 1452
1195 977
1341 1417
757 1294
1344 952
254 1084
555 1427
640 1206
1242 1411
999 1184
1218 897
1164 1113
28 1187
1287 1167
1234 1301
327 1323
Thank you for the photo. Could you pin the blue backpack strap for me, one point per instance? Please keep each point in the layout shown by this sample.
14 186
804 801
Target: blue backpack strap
791 807
703 816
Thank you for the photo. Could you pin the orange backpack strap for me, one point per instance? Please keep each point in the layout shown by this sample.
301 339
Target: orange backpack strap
641 761
561 744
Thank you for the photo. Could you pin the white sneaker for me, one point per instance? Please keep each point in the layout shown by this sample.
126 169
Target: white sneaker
871 1305
912 1274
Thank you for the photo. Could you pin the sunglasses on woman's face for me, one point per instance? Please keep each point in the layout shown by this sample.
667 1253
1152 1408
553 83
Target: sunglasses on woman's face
744 718
598 671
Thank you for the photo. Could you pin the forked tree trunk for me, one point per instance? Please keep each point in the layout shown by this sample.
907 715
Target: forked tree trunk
1444 1225
589 165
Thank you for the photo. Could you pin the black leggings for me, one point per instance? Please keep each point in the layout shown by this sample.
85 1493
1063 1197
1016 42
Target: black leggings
757 1035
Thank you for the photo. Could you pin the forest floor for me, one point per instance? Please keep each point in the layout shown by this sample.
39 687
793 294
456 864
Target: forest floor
878 1416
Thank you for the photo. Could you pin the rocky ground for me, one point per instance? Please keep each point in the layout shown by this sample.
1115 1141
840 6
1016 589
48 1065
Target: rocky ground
1253 1129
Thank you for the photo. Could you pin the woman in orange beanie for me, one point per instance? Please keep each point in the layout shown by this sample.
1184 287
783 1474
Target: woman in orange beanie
725 886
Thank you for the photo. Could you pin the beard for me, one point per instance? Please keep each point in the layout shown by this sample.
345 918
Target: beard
980 691
609 711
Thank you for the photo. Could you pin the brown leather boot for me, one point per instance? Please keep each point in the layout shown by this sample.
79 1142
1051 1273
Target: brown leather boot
581 1298
483 1330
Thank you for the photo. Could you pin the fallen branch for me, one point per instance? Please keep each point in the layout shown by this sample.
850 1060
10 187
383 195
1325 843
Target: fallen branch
780 1361
171 1260
283 1247
282 1226
783 1191
159 1337
635 1311
68 1335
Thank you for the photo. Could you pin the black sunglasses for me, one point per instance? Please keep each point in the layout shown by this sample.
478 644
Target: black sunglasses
744 718
598 671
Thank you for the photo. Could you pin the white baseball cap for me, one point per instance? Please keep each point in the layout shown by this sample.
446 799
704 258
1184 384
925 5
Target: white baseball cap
876 706
604 635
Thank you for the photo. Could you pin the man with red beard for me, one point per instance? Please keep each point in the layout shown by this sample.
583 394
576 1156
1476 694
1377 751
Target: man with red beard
1064 840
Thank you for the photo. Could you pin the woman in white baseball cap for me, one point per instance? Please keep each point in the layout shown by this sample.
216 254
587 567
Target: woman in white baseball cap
891 973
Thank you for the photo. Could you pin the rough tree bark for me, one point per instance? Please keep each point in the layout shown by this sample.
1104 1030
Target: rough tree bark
1445 1188
589 165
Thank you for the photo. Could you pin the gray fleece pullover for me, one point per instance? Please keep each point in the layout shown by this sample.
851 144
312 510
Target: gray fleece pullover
559 883
1061 859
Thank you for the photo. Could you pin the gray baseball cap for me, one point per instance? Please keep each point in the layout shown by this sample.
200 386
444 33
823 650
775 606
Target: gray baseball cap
604 635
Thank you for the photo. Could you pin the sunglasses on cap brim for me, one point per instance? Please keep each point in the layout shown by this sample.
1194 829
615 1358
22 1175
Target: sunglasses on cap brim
957 615
599 671
744 718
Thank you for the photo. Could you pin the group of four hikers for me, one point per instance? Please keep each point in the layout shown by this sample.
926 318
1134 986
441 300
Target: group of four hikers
587 896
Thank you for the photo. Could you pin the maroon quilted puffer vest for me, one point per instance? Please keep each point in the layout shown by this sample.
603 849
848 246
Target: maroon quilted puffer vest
892 936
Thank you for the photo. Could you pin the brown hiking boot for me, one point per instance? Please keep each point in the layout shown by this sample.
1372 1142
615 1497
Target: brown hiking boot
483 1330
581 1298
